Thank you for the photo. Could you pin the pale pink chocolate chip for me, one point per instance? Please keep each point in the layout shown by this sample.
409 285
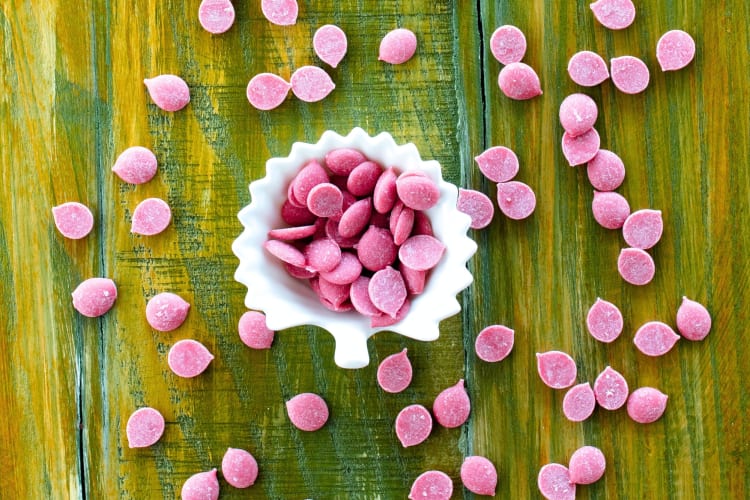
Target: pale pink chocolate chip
413 425
376 249
144 428
216 16
414 279
169 92
387 290
605 171
189 358
629 74
292 233
417 191
359 295
74 220
693 320
307 411
325 200
422 225
395 372
556 369
554 483
655 338
166 311
330 45
421 252
579 402
508 44
431 485
363 178
675 50
355 218
643 228
322 255
201 486
382 319
515 199
348 270
95 296
285 252
384 194
498 164
587 68
267 91
581 148
136 165
610 389
239 468
150 217
479 475
280 12
398 46
334 294
614 14
296 216
494 343
647 405
311 175
636 266
604 321
343 161
578 113
587 465
519 81
610 209
253 330
452 406
311 84
476 205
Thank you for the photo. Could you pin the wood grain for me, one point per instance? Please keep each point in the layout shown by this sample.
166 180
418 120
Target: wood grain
72 98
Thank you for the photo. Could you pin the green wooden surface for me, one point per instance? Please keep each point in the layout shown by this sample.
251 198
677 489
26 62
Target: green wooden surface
72 98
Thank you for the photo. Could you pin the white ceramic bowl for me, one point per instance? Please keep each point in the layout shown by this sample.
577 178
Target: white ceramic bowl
289 302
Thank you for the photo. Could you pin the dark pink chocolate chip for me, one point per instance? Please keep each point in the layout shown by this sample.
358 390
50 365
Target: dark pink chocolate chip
311 84
364 177
387 291
325 200
415 280
384 194
636 266
643 228
614 14
280 12
296 216
383 320
476 205
693 320
150 217
359 295
239 468
216 16
330 44
300 273
322 255
605 171
266 91
417 191
74 220
136 165
508 44
189 358
397 46
479 475
655 338
332 231
348 270
519 81
422 225
629 74
166 311
579 402
516 200
253 330
604 321
610 389
395 372
334 294
285 252
144 428
555 484
94 297
647 405
310 176
498 164
421 252
587 68
355 218
292 233
452 406
376 249
169 92
581 148
610 209
402 226
556 369
675 50
343 161
587 465
413 425
431 485
307 411
201 486
494 343
578 113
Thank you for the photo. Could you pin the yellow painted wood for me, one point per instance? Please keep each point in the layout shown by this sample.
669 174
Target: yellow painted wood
72 99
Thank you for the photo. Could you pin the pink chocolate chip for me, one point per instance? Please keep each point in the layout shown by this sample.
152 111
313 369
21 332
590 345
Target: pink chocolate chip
322 255
587 465
384 194
556 369
587 68
383 319
431 485
169 92
403 226
330 45
629 74
359 295
355 218
643 228
693 320
515 199
280 12
413 425
74 220
136 165
494 343
325 200
610 209
296 216
398 46
675 50
421 252
239 468
201 486
610 389
95 296
578 113
395 372
311 175
476 205
422 225
150 217
376 249
307 411
311 84
519 81
636 266
414 279
363 178
479 475
579 402
498 164
554 483
189 358
166 311
387 290
348 270
292 233
581 148
253 330
604 321
606 171
144 428
655 338
614 14
285 252
452 406
216 16
647 405
300 273
417 191
334 294
508 44
343 161
267 91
